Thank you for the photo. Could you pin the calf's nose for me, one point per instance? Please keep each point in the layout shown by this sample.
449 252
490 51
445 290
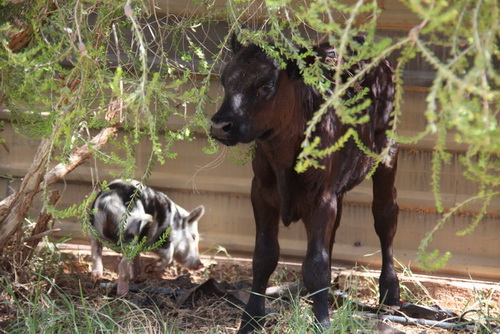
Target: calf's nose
220 129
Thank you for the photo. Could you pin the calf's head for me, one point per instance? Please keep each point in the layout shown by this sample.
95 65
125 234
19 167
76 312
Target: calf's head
250 82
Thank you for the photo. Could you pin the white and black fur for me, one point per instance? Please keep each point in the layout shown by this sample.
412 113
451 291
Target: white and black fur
150 214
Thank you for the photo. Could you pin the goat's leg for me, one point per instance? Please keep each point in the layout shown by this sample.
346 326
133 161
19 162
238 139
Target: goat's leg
123 276
96 256
135 267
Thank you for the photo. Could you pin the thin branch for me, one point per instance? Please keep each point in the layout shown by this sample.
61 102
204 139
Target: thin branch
77 158
20 202
42 234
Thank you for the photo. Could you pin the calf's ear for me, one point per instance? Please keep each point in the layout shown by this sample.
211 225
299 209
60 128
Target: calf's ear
234 43
195 214
292 68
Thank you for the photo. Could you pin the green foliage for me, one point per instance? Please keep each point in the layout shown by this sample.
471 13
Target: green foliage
458 40
86 55
76 67
462 104
78 211
241 157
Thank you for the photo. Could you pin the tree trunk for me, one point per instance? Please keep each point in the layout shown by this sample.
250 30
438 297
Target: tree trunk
16 206
41 228
21 201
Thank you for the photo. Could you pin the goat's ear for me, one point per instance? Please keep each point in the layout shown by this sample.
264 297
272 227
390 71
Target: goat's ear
234 43
195 214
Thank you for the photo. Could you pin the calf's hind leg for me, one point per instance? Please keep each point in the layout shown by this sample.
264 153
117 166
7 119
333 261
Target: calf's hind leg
385 212
316 269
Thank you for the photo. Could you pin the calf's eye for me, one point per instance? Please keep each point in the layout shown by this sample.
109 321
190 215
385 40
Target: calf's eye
267 87
264 89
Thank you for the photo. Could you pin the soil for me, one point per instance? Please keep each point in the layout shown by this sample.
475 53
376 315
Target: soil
211 298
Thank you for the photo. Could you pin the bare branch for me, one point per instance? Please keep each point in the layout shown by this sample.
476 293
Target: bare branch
42 224
15 206
20 202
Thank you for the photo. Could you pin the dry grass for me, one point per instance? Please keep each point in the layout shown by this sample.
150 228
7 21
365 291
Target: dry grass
61 290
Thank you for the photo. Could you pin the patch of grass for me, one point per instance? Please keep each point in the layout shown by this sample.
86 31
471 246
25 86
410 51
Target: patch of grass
294 315
47 297
42 307
483 311
413 291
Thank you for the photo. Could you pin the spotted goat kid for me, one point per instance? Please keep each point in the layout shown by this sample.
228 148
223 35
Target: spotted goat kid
150 214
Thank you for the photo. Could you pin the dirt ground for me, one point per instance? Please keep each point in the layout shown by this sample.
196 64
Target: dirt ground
212 298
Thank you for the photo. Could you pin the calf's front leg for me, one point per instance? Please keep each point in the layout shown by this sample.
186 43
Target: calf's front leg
265 260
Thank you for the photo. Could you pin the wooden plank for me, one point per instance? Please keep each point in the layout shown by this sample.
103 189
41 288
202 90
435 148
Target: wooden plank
225 189
229 220
229 223
394 14
195 171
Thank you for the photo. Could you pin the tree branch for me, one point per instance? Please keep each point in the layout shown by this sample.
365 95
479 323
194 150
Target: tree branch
40 229
20 201
15 206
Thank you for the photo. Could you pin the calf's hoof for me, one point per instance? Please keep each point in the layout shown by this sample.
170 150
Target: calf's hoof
249 329
251 325
390 298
